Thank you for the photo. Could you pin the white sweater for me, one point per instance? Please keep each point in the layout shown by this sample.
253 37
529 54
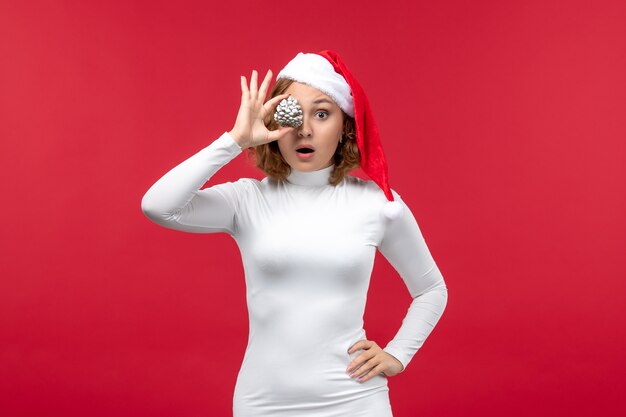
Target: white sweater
308 250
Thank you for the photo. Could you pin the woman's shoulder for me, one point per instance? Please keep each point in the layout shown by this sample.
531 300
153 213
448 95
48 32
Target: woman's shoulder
238 188
368 187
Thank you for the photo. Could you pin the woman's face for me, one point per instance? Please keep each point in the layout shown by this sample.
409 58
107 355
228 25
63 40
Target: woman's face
322 126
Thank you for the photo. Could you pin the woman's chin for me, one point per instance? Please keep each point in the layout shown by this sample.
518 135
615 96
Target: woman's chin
308 165
303 167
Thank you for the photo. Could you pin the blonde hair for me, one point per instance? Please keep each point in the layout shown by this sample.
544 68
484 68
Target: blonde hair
270 160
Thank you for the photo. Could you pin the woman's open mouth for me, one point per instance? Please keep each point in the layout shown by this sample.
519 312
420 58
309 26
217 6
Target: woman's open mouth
305 153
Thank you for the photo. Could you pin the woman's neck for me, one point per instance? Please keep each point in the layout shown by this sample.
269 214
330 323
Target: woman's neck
310 178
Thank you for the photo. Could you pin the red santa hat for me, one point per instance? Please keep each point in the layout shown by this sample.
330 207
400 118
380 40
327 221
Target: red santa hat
326 71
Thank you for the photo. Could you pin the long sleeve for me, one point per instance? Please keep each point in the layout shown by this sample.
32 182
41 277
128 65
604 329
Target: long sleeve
403 245
175 201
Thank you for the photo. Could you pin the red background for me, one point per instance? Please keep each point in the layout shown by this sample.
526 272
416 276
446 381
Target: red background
504 126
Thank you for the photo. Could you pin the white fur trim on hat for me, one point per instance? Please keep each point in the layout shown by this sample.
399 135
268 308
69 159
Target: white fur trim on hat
315 71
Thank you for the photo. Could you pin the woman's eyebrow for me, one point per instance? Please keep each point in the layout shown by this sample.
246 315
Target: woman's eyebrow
322 100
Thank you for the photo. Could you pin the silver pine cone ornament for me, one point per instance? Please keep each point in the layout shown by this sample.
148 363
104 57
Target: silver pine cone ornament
288 113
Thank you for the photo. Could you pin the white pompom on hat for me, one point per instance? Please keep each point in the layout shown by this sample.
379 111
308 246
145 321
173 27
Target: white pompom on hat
326 71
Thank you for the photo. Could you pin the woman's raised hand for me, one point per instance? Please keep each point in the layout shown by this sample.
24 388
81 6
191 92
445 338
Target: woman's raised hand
249 129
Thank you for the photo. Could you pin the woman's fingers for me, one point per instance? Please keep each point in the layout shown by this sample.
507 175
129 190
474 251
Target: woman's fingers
244 86
279 134
273 102
254 91
265 85
253 109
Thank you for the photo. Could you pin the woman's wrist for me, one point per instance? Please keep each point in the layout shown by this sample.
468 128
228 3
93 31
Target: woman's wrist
237 137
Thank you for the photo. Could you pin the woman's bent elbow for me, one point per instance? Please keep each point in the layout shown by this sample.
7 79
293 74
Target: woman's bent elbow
149 209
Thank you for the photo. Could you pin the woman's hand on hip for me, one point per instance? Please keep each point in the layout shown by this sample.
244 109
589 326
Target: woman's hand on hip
372 361
249 129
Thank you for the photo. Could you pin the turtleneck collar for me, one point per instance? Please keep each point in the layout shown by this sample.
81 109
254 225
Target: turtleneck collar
310 178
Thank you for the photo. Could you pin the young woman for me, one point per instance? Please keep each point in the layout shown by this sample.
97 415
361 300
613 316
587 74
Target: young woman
308 234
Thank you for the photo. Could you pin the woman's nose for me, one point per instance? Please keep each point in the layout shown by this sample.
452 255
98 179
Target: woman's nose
305 129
